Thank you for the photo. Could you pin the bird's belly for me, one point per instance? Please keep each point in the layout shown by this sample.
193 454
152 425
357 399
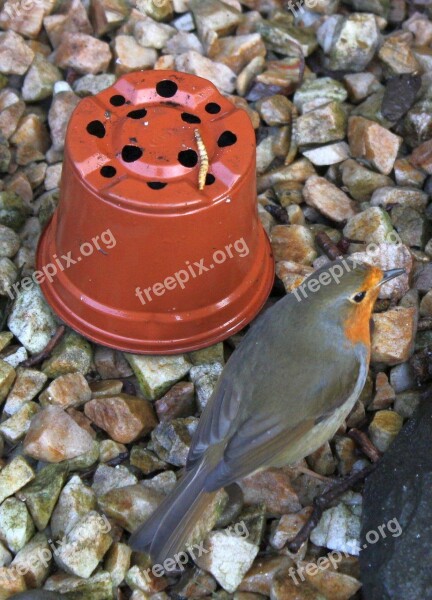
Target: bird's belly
315 437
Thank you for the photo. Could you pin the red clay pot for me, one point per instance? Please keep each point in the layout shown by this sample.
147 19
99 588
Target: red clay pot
160 266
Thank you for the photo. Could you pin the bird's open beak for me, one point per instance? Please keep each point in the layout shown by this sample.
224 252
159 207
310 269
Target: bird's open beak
391 274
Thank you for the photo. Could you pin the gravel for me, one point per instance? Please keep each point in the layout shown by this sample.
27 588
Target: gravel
92 439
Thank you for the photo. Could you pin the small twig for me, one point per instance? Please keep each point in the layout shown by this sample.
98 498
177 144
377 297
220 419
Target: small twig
203 160
425 324
327 246
279 213
365 445
45 353
322 502
314 475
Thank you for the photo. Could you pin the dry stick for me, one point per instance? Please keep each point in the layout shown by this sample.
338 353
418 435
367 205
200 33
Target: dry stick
322 502
45 353
327 246
365 445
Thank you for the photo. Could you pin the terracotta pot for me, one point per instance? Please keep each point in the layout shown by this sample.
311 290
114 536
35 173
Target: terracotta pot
160 265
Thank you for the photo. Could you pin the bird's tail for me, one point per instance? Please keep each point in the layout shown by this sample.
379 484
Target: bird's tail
170 527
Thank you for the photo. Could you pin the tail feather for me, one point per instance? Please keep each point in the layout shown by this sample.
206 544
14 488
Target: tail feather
169 528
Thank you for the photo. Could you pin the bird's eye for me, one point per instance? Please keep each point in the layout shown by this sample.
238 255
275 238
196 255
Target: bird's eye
359 297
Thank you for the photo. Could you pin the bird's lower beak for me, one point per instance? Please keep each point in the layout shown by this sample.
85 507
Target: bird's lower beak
391 274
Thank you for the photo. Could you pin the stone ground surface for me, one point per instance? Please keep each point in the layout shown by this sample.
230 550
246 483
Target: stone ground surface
91 440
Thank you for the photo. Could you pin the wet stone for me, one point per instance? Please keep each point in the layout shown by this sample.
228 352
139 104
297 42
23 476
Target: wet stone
41 494
54 436
14 476
205 378
385 426
107 478
67 390
75 501
171 440
179 401
72 354
130 505
16 525
157 374
126 418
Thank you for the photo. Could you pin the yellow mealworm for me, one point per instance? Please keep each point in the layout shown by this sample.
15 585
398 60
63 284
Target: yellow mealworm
203 160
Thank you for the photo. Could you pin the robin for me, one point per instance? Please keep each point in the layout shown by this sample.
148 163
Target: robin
284 392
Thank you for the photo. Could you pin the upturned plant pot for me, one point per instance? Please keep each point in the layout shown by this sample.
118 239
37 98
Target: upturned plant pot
156 245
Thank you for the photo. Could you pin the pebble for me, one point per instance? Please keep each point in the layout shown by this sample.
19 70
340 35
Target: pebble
402 378
75 501
294 243
362 182
15 55
275 110
179 401
83 53
41 494
151 34
350 40
145 460
205 378
172 439
60 111
372 142
331 154
339 527
361 85
393 335
126 418
110 363
260 576
54 436
7 377
227 557
196 64
9 242
384 393
157 374
322 460
85 545
65 391
370 225
16 525
40 79
345 451
317 92
14 476
27 385
27 560
31 319
131 505
327 123
328 199
15 427
110 450
72 354
107 478
131 56
271 487
117 562
95 587
90 85
384 427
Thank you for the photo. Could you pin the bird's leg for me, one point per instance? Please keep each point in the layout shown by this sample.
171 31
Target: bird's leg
311 473
323 501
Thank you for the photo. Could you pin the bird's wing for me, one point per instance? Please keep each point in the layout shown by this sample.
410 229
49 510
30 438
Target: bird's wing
244 417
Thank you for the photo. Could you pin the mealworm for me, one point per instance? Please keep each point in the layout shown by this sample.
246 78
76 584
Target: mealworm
203 160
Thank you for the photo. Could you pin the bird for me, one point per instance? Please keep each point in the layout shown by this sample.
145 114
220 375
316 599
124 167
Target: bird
283 393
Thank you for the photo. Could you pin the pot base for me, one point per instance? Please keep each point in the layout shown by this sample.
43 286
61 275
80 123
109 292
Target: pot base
110 327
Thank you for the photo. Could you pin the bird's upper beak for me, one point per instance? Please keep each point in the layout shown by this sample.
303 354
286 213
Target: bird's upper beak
391 274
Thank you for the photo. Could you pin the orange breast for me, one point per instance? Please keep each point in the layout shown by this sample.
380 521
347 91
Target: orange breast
357 327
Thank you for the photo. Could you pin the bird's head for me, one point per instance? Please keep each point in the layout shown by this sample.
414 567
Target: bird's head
347 292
